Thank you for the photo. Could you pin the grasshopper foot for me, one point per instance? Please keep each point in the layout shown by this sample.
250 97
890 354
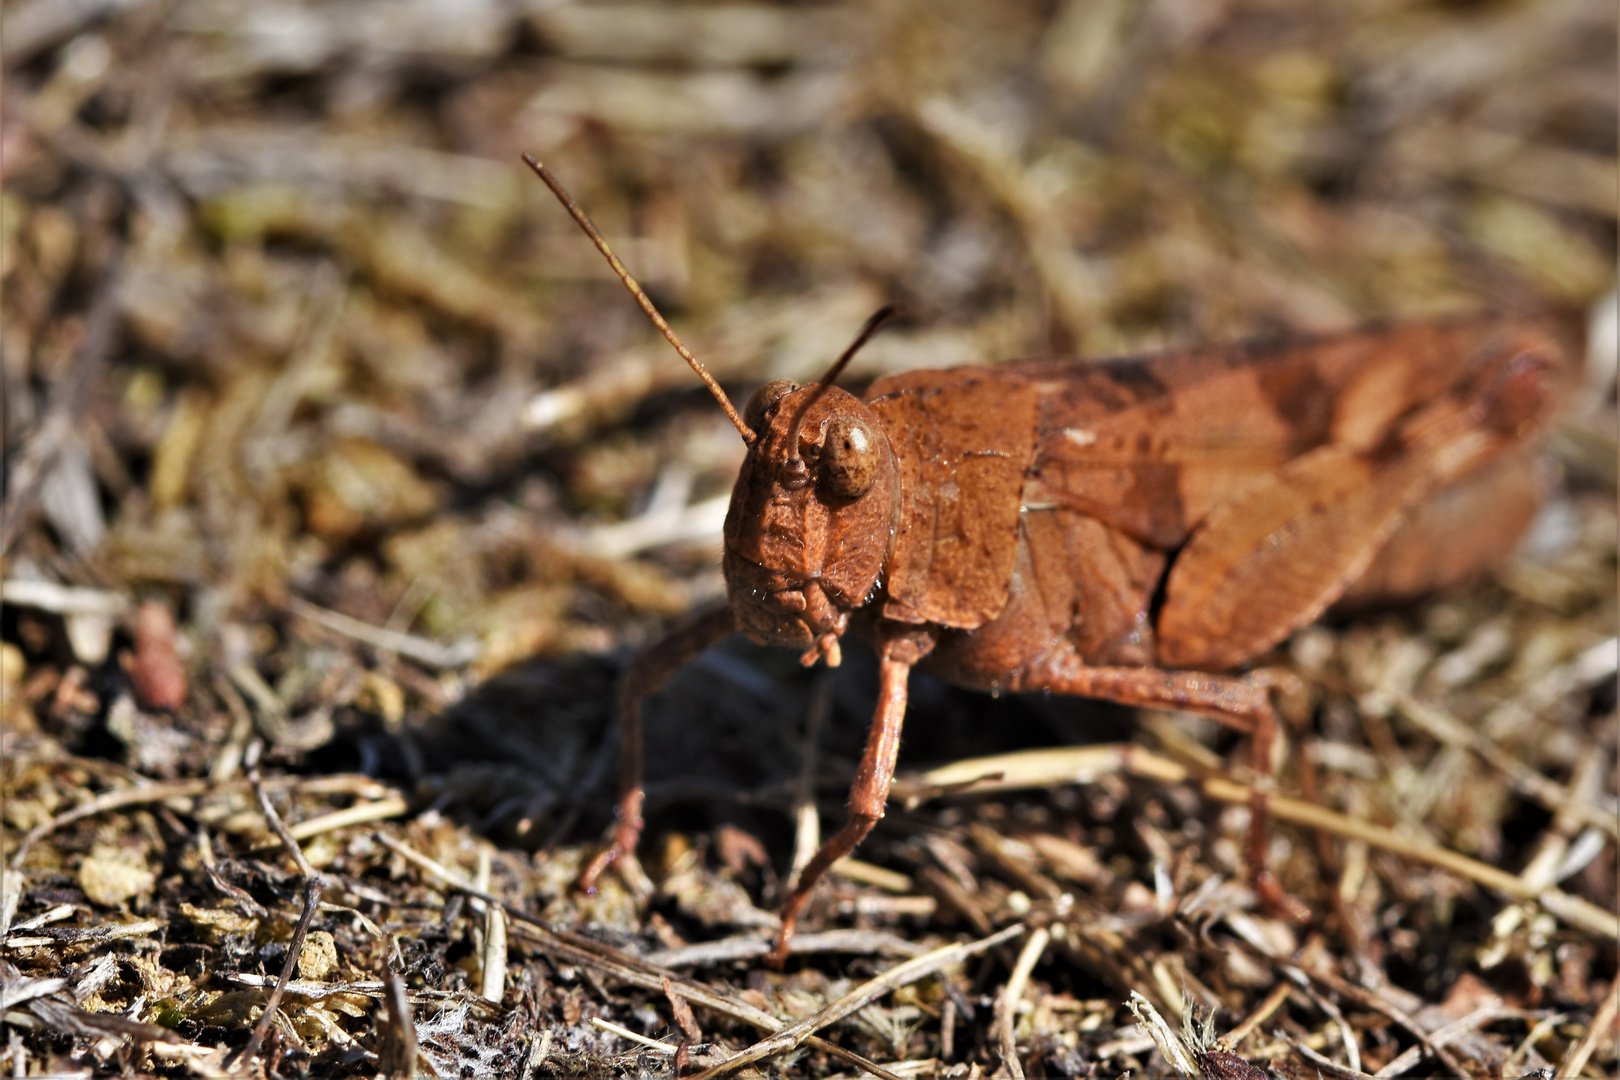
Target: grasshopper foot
625 838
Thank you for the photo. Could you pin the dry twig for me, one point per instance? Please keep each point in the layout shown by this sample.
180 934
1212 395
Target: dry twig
860 997
312 901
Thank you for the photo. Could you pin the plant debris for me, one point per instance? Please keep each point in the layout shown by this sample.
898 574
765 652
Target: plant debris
342 480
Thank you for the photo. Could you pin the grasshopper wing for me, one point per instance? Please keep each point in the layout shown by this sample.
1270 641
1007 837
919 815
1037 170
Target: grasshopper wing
1153 445
1273 558
1275 555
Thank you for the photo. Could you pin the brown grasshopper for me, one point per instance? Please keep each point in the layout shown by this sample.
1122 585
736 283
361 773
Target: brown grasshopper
1122 529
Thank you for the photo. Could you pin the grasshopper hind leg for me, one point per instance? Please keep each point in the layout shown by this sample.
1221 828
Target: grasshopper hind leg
1457 534
1239 702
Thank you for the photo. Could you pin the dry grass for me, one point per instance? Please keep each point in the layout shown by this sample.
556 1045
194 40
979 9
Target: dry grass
342 480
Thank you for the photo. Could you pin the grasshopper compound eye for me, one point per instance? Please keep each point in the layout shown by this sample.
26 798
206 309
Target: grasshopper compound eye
763 399
849 459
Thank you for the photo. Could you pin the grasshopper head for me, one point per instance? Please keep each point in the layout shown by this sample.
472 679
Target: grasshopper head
812 516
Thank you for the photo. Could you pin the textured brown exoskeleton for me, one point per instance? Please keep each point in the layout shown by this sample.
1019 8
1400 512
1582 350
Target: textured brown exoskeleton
1121 529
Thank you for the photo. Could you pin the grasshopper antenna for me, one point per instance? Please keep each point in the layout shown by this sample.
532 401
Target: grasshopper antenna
647 305
873 324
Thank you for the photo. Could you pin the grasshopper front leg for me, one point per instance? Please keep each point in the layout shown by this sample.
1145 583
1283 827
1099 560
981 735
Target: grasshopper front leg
647 673
867 796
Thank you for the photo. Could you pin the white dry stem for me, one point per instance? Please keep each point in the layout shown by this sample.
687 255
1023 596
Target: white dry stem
1170 1045
1013 995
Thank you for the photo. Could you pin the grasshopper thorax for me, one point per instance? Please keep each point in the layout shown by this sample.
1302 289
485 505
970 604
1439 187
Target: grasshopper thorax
811 517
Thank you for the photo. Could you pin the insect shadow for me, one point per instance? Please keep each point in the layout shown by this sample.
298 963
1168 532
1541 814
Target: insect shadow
528 756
